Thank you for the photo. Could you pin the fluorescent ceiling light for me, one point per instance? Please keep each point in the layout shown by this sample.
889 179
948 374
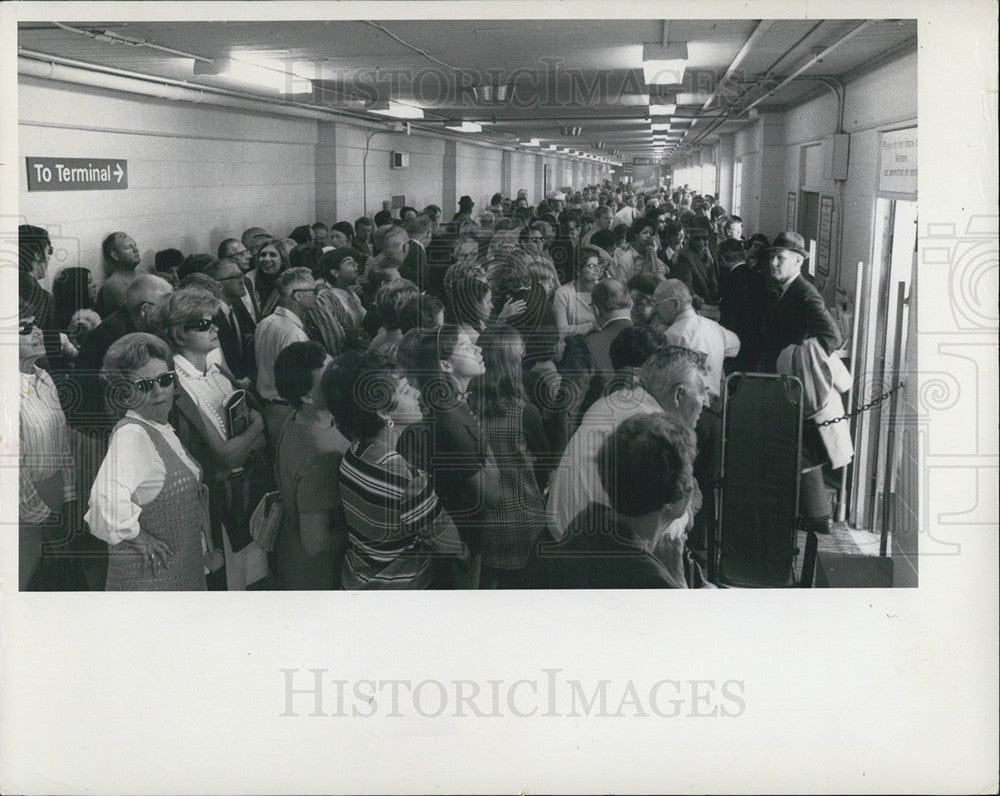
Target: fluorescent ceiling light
532 142
663 65
260 71
396 110
662 110
660 126
464 127
695 98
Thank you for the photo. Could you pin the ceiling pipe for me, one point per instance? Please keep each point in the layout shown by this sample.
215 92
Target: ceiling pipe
111 37
785 81
66 70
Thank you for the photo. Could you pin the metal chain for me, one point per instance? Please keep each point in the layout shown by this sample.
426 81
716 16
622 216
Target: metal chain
864 407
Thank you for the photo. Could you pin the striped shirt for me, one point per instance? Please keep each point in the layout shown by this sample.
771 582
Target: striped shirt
45 448
394 520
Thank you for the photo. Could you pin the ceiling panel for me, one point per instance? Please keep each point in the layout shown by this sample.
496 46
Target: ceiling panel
586 73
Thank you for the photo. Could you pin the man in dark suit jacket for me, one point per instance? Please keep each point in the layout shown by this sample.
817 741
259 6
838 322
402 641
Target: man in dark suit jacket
797 309
236 327
696 268
86 410
414 265
613 307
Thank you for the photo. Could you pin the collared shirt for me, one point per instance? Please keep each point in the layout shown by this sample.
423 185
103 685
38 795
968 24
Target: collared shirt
278 330
705 336
577 482
210 390
354 311
130 477
44 448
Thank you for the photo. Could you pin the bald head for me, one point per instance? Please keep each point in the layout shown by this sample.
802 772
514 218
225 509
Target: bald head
671 298
143 293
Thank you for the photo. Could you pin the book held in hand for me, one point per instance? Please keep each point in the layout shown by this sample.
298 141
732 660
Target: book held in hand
237 413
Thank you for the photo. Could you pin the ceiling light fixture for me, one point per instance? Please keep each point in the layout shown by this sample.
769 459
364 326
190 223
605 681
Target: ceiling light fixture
396 110
663 65
464 127
259 71
490 93
662 110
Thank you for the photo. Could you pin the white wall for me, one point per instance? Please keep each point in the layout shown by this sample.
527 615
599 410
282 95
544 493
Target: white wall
478 173
420 182
522 175
196 174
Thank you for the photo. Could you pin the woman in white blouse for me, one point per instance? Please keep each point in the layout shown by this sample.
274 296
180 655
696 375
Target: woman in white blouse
185 319
47 485
571 303
147 502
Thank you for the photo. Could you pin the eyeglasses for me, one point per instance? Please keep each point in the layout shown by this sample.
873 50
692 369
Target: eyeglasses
200 326
24 328
165 380
313 290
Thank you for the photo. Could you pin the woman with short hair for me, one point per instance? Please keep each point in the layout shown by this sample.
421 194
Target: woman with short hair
147 502
72 290
395 524
571 303
389 302
230 457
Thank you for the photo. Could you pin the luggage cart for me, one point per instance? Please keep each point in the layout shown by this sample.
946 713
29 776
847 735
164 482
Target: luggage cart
757 497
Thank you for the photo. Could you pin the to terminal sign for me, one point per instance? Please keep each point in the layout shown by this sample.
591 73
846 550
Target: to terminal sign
77 174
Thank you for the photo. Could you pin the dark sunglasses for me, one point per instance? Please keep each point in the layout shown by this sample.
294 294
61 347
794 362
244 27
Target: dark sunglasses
165 380
24 328
200 326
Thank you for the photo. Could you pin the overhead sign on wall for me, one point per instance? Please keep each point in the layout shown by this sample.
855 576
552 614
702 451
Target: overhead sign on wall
898 162
77 174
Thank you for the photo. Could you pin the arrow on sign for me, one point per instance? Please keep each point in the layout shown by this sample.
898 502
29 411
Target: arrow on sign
118 172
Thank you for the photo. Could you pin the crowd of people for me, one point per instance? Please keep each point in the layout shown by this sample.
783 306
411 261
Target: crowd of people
526 396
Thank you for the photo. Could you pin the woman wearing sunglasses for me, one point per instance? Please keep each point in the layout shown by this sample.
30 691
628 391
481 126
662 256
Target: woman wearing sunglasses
47 486
147 502
231 457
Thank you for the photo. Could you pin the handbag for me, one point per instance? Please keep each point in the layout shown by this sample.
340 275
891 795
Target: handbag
266 520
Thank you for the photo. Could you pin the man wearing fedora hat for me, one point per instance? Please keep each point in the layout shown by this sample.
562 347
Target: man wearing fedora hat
697 269
795 309
465 205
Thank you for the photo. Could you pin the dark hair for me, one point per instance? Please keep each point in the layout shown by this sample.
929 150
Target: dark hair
716 212
305 255
666 451
501 387
391 298
194 263
605 239
70 293
169 259
382 217
420 312
293 370
364 220
301 234
731 249
577 357
645 283
31 242
358 385
466 296
346 228
436 386
632 346
496 199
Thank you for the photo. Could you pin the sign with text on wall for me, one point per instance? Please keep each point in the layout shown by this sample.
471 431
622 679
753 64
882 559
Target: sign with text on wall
77 174
898 162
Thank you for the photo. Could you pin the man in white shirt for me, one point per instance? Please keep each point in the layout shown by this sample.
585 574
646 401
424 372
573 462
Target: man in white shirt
687 328
673 381
628 212
297 295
